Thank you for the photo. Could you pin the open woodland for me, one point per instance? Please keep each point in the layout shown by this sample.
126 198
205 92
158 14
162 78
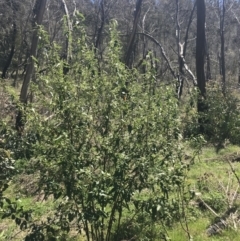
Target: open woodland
120 120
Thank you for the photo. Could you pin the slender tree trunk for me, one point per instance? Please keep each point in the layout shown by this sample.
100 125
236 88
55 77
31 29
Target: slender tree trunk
220 63
238 67
13 42
145 43
133 34
180 79
208 74
38 17
10 56
200 47
200 56
100 28
222 20
238 32
69 32
21 48
68 49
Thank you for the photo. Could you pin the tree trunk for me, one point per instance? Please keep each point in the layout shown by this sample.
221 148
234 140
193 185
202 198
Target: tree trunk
208 74
38 17
200 47
222 19
238 67
9 59
13 42
100 28
145 50
200 54
137 13
68 49
21 50
238 32
180 78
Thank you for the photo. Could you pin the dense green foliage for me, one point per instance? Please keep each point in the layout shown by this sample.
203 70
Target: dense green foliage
221 118
103 142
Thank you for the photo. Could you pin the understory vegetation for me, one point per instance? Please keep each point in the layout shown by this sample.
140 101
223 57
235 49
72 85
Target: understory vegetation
110 153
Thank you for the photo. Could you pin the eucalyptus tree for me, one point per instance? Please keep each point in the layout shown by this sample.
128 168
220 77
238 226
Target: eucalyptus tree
235 11
14 5
222 11
38 12
15 38
200 47
137 14
200 59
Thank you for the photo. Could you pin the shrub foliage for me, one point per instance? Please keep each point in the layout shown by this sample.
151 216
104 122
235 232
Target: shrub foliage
105 141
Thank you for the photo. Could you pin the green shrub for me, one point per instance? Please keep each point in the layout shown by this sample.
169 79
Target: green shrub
221 118
107 135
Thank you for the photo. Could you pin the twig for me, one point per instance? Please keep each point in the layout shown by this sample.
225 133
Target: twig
208 207
234 172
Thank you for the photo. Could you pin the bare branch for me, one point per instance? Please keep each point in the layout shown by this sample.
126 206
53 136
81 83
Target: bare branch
235 16
186 66
163 53
233 170
208 207
144 18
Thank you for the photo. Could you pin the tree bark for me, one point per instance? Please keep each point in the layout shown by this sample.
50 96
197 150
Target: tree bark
23 35
137 13
238 67
208 74
13 42
222 20
68 49
100 28
200 47
145 50
10 56
180 78
238 31
37 20
200 55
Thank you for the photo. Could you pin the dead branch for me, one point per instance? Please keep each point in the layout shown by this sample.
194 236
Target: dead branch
162 52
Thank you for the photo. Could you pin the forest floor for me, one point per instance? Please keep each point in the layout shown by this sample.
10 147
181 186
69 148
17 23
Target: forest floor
213 177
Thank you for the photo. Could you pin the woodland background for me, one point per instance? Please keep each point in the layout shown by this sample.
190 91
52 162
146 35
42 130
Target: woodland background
120 120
